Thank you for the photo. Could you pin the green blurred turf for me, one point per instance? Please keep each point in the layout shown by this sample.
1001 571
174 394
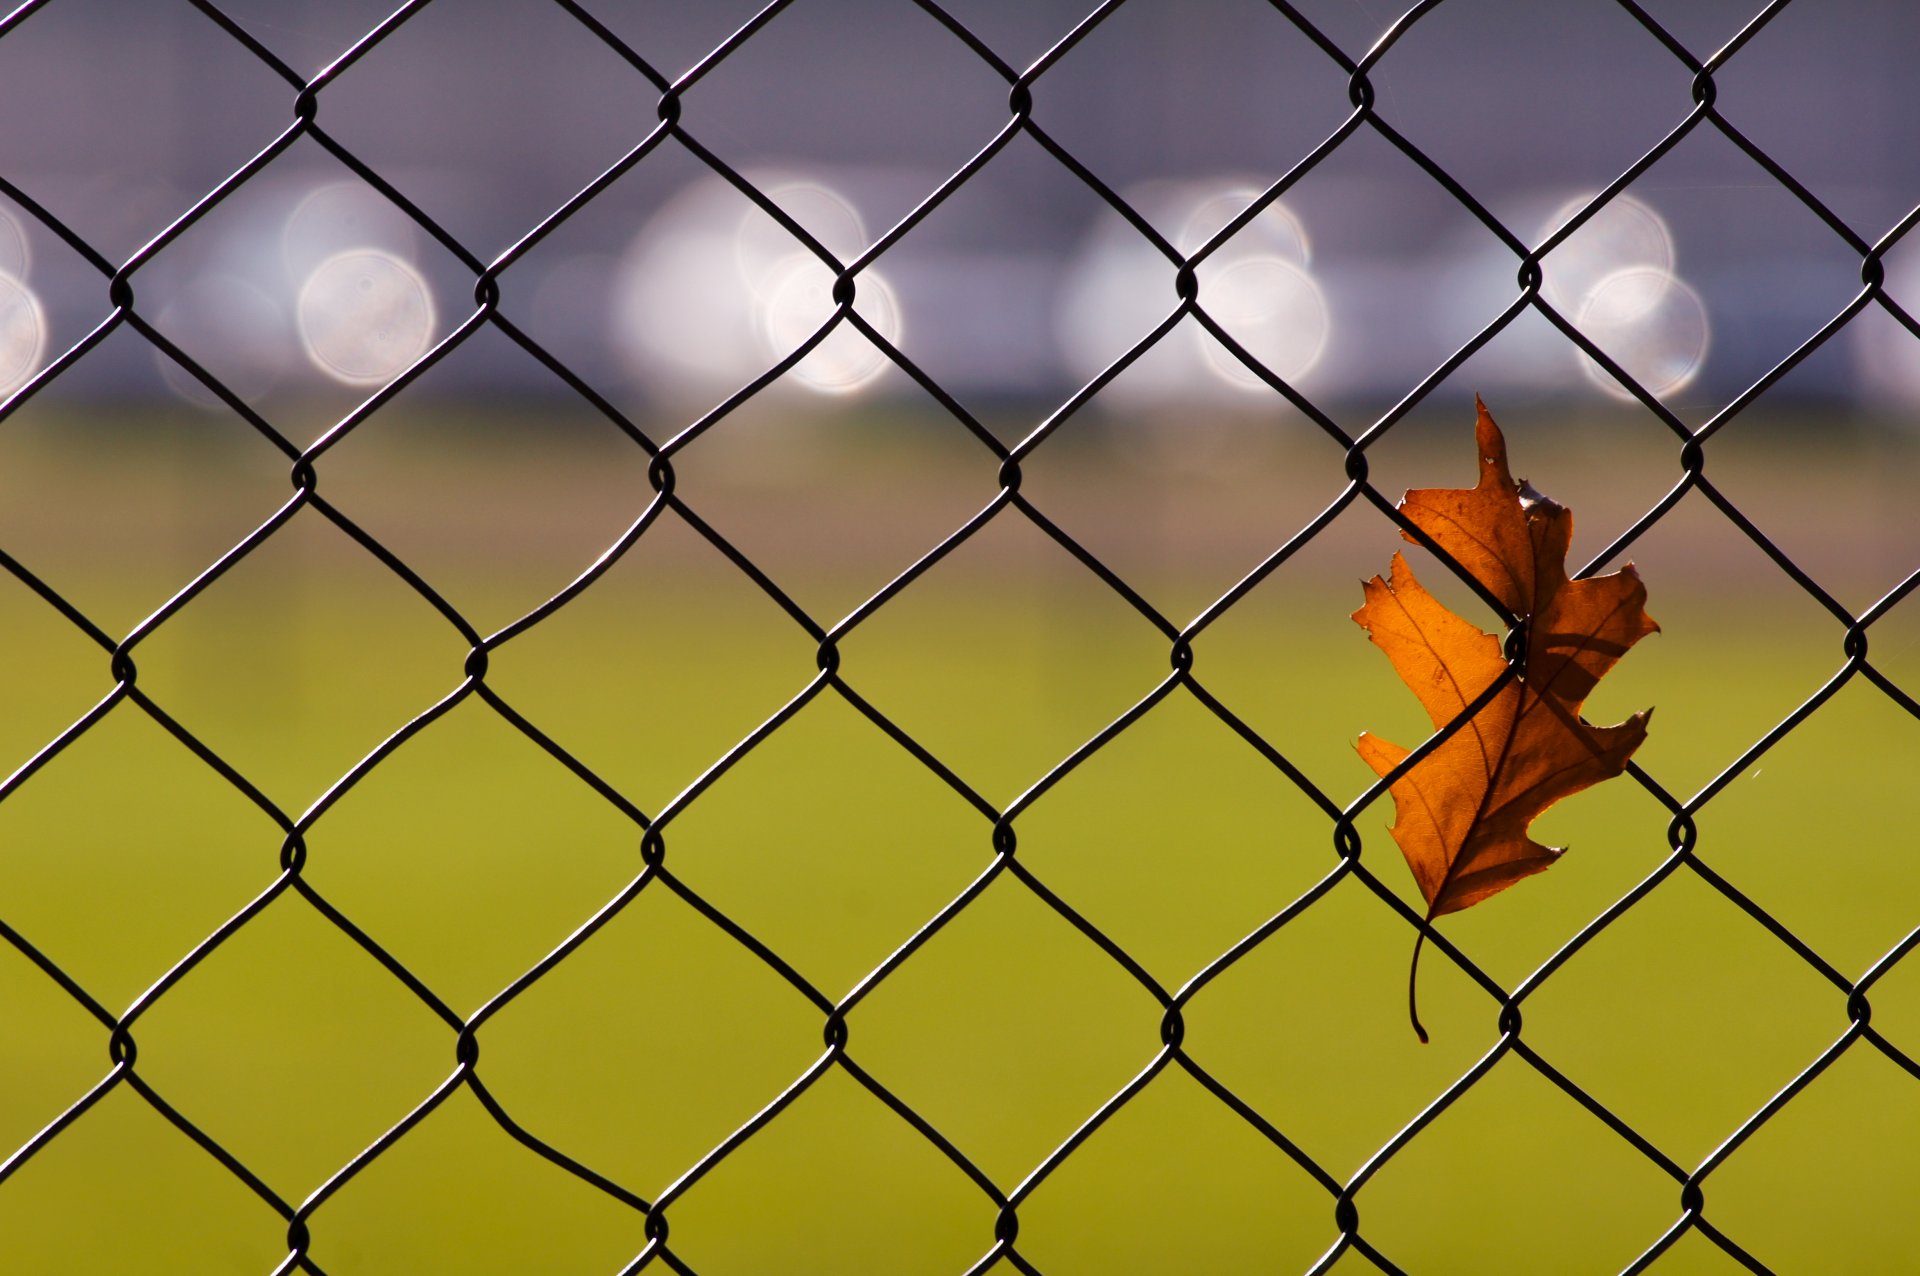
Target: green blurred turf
470 853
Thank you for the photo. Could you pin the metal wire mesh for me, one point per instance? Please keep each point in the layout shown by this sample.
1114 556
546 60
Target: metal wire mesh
1000 1202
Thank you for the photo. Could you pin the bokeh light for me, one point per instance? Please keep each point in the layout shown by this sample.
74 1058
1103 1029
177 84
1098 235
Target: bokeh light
1624 233
23 322
16 254
365 316
337 216
1885 353
1274 231
1257 286
1650 323
799 298
713 291
761 244
23 334
1614 278
1273 309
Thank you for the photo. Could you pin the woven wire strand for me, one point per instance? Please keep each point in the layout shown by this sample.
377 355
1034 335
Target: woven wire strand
676 127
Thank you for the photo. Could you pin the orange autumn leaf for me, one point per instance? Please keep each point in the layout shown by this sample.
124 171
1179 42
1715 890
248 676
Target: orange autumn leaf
1461 814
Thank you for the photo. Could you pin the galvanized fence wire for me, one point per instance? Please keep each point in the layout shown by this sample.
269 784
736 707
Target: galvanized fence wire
1002 1201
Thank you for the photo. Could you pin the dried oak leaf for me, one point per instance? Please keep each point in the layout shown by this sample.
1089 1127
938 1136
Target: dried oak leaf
1461 813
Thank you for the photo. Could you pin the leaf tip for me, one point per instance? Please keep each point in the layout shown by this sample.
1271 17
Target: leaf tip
1373 589
1632 573
1493 448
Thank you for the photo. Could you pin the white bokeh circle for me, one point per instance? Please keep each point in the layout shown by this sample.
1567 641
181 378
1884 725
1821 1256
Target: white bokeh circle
16 254
1256 286
1650 323
365 316
798 298
1273 309
23 334
762 246
713 291
1273 231
1623 234
335 217
1885 354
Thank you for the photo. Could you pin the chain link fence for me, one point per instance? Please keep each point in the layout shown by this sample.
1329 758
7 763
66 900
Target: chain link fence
1356 856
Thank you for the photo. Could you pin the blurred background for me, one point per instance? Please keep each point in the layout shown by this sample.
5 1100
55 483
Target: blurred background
672 289
470 851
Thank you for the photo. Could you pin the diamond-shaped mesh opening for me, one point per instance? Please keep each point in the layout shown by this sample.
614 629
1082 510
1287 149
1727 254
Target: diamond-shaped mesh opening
1694 333
456 1190
830 844
1506 126
904 90
1066 655
125 851
495 540
834 504
389 113
692 658
1366 258
51 1056
120 1187
1238 1199
142 128
1786 75
1550 1182
1336 977
1092 105
1840 1148
1746 1000
697 1035
1183 505
837 1170
714 637
118 524
289 698
286 1024
470 854
61 673
1854 909
1827 498
931 1032
1144 841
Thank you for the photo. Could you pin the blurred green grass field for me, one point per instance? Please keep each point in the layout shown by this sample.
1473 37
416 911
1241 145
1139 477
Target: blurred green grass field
470 853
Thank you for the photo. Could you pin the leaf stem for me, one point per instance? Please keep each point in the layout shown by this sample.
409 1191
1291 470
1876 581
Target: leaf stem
1413 974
